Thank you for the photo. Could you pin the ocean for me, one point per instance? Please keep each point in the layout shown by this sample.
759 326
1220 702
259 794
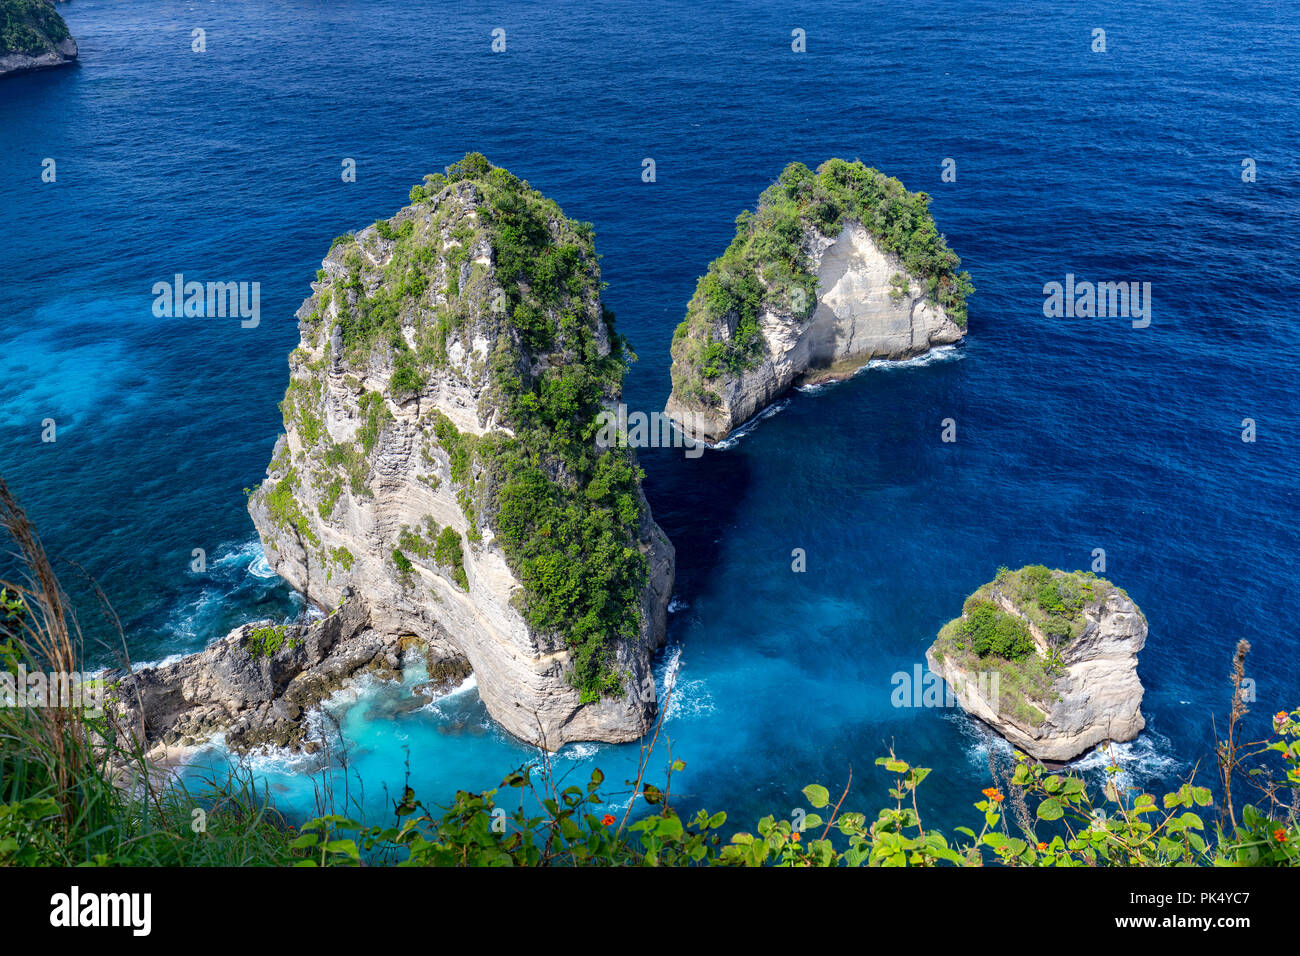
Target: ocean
1073 433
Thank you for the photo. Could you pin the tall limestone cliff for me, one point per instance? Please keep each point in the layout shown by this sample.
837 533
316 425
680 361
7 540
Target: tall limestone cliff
1048 659
33 36
833 269
439 457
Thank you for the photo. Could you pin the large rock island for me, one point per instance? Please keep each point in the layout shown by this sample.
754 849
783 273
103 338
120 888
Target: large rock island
33 37
1048 659
833 269
439 490
439 457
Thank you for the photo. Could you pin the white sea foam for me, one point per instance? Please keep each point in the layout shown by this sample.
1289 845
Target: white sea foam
432 707
161 662
686 697
186 620
1148 757
239 555
677 604
940 353
731 440
269 760
577 752
259 567
979 739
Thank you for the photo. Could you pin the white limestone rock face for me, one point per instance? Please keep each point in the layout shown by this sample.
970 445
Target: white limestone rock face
858 317
361 472
1097 698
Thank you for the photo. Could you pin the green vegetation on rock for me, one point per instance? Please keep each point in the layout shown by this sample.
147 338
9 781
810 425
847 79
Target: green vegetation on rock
767 266
266 641
448 553
286 511
995 633
31 27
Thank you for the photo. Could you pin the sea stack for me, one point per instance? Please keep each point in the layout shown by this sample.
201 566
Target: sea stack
33 37
833 269
439 458
1048 659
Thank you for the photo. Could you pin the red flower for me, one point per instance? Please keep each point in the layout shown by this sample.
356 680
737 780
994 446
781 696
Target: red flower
795 837
1042 846
608 820
1280 835
993 794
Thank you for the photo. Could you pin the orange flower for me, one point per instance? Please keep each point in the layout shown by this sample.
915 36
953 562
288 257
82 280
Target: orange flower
1280 835
796 836
1042 846
993 794
608 820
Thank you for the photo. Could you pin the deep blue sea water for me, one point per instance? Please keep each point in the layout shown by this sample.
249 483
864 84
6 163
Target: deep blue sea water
1073 434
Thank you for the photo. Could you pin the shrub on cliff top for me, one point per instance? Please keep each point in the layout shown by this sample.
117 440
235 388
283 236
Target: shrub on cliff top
988 630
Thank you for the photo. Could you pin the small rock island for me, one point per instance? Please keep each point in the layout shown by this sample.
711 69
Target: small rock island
833 269
33 36
1048 659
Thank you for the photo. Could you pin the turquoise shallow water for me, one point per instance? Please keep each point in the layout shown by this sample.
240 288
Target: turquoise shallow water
1074 434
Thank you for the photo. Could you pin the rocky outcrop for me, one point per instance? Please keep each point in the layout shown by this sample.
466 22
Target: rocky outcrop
34 37
1075 688
258 684
861 287
435 458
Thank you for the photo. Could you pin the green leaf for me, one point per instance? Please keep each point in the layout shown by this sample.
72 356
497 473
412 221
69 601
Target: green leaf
670 828
1050 809
817 795
346 847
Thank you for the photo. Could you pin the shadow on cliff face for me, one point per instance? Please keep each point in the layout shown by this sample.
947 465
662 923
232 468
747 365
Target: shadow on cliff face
694 500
